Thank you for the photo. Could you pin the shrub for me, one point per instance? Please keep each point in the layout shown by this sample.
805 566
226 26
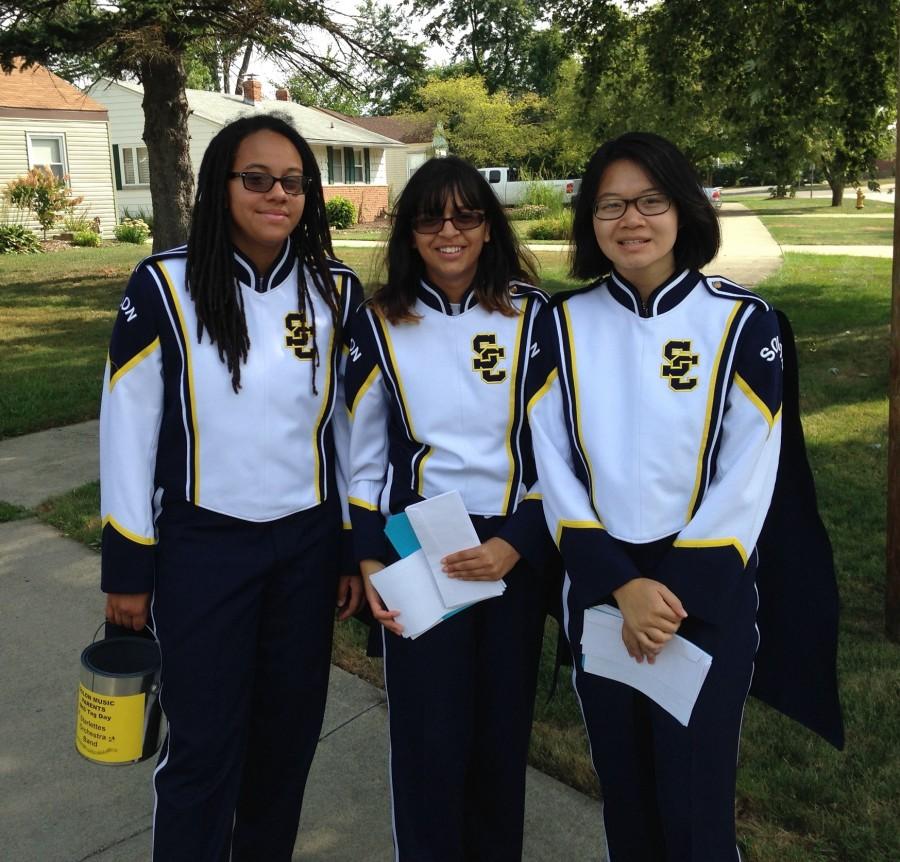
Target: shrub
528 212
86 238
17 239
43 193
341 213
78 222
132 230
541 194
554 228
140 214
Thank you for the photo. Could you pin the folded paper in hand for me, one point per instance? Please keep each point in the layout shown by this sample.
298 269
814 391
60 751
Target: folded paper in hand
674 679
417 585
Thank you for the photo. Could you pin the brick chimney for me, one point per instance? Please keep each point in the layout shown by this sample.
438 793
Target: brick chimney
282 95
252 90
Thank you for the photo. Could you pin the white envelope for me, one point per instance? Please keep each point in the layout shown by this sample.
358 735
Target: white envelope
674 679
443 526
408 586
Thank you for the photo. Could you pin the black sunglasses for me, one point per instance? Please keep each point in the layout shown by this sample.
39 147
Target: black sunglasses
254 181
435 224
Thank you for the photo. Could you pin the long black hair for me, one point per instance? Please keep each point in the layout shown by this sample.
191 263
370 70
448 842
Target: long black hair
698 236
211 278
426 194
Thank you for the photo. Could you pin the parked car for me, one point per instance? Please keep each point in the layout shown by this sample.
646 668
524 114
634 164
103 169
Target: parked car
714 193
510 190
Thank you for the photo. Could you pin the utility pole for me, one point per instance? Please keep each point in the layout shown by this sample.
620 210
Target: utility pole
892 573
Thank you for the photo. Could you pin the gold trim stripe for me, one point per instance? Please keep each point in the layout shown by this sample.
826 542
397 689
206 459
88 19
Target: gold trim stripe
133 537
373 376
363 504
576 525
704 439
713 543
137 359
513 378
744 386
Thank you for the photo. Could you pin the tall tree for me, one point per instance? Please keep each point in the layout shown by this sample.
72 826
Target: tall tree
148 40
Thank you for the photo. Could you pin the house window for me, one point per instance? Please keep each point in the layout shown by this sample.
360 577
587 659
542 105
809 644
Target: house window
48 151
337 168
358 166
135 166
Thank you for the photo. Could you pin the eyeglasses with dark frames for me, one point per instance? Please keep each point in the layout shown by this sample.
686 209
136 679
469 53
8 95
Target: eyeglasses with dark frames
255 181
435 224
610 209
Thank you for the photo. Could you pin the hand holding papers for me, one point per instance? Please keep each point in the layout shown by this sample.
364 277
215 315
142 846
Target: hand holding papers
416 585
674 680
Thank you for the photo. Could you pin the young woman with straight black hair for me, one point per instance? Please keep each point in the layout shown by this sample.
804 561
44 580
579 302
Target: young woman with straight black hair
658 438
220 445
437 386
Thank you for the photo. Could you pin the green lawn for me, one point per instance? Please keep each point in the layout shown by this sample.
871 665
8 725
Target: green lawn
798 800
804 205
816 230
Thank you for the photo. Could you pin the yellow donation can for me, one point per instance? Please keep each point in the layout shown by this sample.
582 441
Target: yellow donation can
119 719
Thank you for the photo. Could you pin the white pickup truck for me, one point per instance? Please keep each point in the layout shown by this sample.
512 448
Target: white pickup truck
511 190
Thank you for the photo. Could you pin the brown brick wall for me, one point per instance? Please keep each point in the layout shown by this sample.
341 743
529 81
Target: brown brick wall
370 201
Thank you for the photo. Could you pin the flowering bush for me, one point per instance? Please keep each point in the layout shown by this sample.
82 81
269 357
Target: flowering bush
132 230
43 193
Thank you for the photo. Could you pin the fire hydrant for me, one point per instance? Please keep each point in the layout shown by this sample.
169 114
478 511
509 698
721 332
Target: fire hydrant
860 198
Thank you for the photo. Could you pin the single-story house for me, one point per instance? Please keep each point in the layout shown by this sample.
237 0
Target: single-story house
415 132
47 122
351 159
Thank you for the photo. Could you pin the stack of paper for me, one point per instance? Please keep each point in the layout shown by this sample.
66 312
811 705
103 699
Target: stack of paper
416 585
674 679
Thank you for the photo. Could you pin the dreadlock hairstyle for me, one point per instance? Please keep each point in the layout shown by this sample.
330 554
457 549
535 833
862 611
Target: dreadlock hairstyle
211 278
426 194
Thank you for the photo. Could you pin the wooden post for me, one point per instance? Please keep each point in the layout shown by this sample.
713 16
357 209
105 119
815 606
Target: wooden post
892 573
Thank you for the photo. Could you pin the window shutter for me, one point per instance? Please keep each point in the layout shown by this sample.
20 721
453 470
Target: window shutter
116 168
330 152
368 168
349 162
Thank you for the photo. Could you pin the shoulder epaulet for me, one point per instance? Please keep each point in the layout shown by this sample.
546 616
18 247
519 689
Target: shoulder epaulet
168 254
523 288
560 296
718 285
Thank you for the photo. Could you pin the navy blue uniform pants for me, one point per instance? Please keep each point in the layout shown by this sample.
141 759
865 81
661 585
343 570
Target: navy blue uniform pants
243 613
668 790
460 702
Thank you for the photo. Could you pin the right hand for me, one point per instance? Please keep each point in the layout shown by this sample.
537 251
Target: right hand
129 610
652 613
379 610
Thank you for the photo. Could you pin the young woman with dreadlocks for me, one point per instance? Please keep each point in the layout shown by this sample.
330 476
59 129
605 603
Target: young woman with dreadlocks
222 430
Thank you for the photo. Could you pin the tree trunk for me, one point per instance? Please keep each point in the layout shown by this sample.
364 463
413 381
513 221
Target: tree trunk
242 72
837 191
166 136
892 567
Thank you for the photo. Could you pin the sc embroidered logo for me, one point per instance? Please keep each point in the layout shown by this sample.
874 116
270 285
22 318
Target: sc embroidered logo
299 335
678 363
487 355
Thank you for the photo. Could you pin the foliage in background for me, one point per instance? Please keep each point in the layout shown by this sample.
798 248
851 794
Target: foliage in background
132 230
86 238
144 215
527 212
542 195
341 212
559 228
77 221
17 239
44 194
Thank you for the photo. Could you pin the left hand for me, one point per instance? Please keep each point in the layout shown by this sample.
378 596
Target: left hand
350 596
490 561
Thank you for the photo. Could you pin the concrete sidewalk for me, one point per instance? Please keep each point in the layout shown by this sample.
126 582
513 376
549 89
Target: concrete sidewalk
58 807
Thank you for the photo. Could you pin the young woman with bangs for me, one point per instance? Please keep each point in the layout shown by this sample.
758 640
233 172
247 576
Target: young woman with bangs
220 435
658 436
437 385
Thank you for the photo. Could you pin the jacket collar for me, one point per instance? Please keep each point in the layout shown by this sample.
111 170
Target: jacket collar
435 298
248 276
664 298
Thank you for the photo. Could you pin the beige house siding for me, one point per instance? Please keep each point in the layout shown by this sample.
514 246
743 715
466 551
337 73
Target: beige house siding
87 156
401 164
